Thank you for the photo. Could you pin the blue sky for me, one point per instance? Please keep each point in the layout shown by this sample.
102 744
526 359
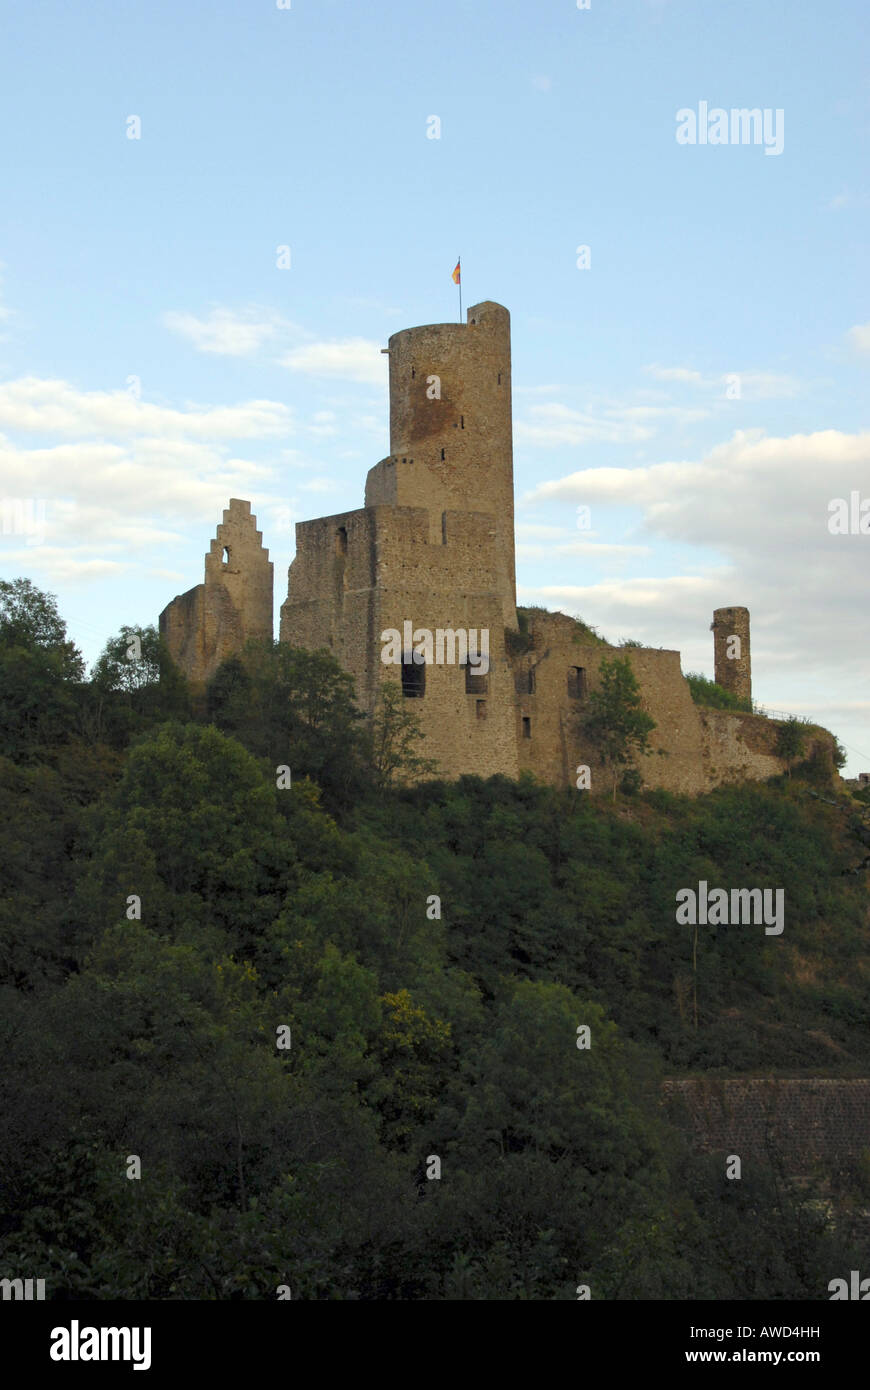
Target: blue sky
149 265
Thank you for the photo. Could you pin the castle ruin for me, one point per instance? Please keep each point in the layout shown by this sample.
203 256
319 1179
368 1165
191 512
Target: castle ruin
432 552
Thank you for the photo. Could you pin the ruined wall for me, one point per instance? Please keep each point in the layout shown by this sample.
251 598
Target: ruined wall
694 748
733 672
453 452
361 573
213 621
807 1122
556 746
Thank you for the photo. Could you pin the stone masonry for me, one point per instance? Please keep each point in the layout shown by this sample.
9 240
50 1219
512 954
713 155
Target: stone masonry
212 622
433 549
732 665
803 1122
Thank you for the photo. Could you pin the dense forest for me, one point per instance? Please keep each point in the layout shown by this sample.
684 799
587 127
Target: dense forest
277 1014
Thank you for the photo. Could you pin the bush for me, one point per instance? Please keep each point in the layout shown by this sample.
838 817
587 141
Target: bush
707 692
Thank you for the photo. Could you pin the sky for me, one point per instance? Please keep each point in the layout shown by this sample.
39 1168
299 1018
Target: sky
696 376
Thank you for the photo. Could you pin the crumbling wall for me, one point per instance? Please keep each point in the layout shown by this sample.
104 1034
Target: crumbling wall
213 621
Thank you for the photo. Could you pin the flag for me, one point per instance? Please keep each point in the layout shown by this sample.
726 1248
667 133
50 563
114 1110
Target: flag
456 279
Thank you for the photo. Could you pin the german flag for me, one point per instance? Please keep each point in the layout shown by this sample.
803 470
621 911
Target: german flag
456 276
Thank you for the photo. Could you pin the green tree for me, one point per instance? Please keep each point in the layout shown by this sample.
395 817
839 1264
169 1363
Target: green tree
134 684
39 671
614 721
395 741
29 619
790 742
296 708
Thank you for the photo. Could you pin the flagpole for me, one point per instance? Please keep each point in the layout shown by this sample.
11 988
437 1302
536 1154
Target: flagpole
459 263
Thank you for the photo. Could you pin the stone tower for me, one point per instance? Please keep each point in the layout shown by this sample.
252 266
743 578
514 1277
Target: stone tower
451 439
214 620
731 655
432 548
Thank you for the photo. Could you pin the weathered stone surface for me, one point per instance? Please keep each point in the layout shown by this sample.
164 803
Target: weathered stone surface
804 1122
731 659
214 620
434 547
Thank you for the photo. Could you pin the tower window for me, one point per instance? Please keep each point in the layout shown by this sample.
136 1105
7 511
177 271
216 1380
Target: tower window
341 541
413 372
442 453
499 378
527 726
462 422
475 685
225 558
413 678
531 674
481 709
577 682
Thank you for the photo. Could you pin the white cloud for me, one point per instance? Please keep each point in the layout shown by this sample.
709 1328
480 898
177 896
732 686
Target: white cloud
859 337
848 199
323 424
685 374
354 359
553 424
754 385
757 508
763 386
676 413
534 529
55 407
741 496
230 333
584 549
108 494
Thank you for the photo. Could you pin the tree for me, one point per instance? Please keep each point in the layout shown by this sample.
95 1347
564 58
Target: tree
39 670
293 707
615 722
396 736
134 683
790 740
29 619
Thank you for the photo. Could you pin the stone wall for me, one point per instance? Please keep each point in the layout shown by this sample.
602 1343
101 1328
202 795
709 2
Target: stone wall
808 1122
694 748
213 621
359 574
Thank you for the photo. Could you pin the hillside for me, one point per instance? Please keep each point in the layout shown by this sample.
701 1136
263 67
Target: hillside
289 1001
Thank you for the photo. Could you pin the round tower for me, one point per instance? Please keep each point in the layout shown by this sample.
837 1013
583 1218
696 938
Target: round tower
731 657
451 444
